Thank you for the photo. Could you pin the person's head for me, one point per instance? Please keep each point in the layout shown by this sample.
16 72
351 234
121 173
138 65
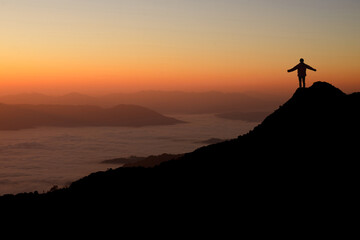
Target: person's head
301 60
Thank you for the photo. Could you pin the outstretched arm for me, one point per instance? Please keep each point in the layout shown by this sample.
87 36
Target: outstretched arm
308 67
293 69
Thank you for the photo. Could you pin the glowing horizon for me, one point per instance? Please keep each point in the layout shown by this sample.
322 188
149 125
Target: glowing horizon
108 46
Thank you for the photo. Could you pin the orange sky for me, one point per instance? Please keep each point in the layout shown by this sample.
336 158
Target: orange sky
109 46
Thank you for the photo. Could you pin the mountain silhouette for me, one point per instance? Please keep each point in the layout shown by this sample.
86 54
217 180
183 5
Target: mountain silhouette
15 117
160 101
309 142
317 128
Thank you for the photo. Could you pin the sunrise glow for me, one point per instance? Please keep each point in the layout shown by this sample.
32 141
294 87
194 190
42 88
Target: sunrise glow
120 46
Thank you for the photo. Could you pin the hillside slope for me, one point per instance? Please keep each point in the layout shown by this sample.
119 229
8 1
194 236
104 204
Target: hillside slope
318 126
310 141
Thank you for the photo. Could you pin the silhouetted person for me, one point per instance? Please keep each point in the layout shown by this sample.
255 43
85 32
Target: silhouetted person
301 67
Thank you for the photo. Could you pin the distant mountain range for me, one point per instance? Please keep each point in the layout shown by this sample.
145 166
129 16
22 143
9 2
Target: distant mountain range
309 143
16 117
161 101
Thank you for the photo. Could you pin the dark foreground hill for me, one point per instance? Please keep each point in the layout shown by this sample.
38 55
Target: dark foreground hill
309 144
15 117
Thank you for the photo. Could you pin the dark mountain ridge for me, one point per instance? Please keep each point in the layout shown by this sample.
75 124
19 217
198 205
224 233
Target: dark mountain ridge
317 127
309 142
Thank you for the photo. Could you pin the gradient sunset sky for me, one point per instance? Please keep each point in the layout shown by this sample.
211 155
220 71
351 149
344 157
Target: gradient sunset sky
108 46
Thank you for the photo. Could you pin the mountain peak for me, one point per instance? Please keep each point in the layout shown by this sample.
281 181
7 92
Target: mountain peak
319 107
323 85
319 90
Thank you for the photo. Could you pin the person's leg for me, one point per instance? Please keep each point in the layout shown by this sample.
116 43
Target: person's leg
303 82
299 82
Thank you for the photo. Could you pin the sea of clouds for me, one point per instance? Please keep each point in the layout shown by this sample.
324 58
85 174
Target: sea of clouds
37 159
